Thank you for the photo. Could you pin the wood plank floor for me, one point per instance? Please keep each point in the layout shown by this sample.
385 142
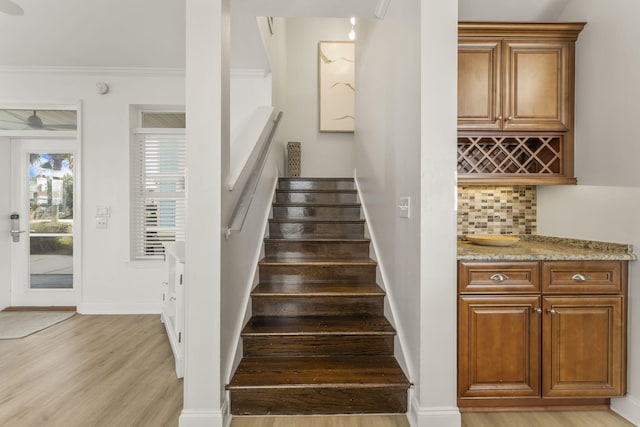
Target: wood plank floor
91 371
104 371
496 419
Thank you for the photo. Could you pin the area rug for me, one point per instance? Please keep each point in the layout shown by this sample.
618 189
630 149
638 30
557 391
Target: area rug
19 324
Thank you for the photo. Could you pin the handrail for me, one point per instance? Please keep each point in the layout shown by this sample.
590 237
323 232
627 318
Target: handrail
249 189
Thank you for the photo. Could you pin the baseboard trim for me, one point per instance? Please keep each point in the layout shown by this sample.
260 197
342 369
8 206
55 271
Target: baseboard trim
41 308
627 407
433 416
142 308
200 418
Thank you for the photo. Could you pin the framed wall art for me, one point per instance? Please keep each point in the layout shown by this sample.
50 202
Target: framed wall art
336 86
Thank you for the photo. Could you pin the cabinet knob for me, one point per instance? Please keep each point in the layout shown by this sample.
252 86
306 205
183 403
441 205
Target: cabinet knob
499 118
551 311
509 118
499 277
537 310
579 277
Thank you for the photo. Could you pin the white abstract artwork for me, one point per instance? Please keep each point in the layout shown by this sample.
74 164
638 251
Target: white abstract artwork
336 86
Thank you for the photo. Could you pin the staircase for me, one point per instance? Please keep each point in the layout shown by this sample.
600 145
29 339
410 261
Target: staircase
318 341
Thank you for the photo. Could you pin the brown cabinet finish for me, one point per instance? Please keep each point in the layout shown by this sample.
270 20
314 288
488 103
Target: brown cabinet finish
535 84
516 102
479 84
487 277
499 346
542 340
583 346
601 277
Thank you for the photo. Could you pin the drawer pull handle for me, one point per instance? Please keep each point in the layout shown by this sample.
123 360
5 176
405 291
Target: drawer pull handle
499 277
579 277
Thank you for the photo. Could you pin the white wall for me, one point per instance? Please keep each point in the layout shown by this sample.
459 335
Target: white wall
207 107
110 283
323 154
605 203
405 146
5 223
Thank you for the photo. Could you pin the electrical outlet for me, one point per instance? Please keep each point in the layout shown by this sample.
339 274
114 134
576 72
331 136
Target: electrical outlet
102 222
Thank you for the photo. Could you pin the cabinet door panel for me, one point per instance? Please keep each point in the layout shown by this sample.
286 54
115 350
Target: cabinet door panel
499 346
583 347
537 85
479 84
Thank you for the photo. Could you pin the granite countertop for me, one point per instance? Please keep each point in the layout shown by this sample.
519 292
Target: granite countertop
535 247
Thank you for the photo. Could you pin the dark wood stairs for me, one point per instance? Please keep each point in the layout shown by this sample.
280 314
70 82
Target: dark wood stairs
317 341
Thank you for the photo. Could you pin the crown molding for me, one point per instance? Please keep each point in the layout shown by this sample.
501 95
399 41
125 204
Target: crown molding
138 71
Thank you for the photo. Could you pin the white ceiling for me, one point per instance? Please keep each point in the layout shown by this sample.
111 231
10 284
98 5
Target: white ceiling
114 33
151 33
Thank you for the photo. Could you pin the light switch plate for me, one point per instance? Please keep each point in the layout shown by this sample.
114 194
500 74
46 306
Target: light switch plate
404 207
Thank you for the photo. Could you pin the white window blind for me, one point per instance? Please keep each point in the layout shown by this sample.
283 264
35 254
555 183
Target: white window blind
158 200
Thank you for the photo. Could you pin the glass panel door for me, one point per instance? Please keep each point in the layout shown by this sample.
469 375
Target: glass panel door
45 241
50 220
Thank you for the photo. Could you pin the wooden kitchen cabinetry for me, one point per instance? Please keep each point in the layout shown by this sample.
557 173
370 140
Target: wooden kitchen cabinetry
515 102
547 333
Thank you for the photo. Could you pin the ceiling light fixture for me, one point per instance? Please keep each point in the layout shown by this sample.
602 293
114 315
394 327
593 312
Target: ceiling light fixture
10 8
352 33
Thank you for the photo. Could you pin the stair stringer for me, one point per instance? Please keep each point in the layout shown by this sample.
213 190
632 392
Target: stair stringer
235 351
404 359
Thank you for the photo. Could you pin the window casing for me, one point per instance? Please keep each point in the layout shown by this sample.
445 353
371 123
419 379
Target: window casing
158 190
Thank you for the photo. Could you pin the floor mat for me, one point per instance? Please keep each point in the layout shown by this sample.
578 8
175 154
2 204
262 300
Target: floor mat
19 324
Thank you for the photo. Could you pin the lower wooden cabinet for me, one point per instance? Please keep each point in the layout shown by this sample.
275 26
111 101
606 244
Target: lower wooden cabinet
499 346
541 346
583 346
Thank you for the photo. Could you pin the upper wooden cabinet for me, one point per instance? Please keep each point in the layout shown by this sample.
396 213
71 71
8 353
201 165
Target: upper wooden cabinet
516 101
535 84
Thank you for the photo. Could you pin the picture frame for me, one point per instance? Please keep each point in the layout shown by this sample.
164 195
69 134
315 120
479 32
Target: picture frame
336 86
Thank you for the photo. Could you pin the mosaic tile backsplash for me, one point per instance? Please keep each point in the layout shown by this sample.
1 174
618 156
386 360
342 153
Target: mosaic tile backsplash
497 210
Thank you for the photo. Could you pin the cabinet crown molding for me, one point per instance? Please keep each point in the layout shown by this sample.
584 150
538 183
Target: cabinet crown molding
565 30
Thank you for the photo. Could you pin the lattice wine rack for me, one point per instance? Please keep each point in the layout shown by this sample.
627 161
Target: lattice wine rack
539 155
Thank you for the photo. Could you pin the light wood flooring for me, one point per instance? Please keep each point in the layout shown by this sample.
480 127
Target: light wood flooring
110 371
91 371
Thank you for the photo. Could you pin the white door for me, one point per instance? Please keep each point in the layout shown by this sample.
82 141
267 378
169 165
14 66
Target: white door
44 239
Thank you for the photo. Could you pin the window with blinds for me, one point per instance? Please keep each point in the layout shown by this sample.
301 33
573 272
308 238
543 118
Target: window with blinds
158 202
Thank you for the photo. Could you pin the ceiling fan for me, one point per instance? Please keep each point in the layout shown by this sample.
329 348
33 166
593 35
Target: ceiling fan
10 7
35 122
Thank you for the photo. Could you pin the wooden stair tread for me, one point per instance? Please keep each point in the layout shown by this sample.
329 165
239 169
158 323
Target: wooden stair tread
317 190
309 289
300 178
315 205
318 371
318 325
319 220
314 262
336 240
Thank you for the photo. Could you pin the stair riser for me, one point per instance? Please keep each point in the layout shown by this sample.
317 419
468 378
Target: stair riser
316 185
301 401
317 306
316 230
317 250
314 273
311 197
331 212
317 345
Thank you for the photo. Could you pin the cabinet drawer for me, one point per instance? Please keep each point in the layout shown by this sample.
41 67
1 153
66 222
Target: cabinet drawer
577 277
490 277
